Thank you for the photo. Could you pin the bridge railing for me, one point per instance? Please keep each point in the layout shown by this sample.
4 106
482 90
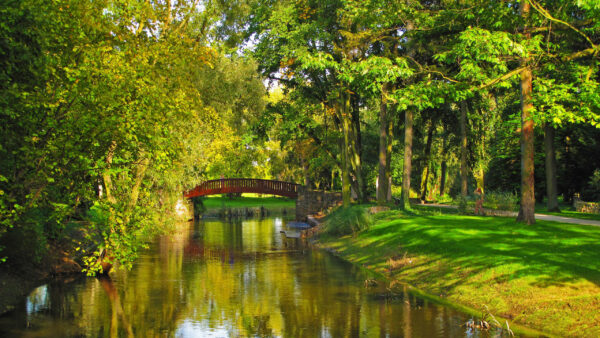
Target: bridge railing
247 185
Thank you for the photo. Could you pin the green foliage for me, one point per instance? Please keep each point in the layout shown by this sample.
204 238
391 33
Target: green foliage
462 204
199 207
27 243
141 100
114 105
501 200
346 221
444 199
592 191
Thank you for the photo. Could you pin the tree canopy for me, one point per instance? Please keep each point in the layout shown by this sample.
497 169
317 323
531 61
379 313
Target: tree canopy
110 109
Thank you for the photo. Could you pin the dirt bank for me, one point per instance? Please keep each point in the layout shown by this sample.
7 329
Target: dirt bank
17 282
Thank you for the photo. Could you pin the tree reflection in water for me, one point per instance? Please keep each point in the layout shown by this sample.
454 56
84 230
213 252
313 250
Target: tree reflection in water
235 279
116 308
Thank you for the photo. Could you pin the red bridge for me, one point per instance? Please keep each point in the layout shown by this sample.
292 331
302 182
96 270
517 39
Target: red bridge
241 185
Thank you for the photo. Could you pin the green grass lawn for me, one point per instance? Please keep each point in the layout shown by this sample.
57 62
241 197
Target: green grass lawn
247 201
545 276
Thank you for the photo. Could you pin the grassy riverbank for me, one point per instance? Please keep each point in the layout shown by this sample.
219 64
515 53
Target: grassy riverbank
545 276
247 201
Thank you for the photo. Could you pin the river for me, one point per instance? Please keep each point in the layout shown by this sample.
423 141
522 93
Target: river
230 279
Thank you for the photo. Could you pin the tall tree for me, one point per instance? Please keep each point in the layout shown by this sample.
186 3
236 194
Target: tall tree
527 209
551 185
426 160
464 170
383 177
407 167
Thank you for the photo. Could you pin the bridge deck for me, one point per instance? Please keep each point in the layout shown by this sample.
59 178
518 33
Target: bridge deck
244 185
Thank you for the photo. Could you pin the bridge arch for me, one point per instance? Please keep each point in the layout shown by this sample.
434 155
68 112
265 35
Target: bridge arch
244 185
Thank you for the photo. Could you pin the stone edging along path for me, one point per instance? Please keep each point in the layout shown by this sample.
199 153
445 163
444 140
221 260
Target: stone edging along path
543 217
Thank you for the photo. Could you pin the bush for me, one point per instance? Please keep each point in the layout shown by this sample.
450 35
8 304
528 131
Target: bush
462 204
199 207
443 199
592 191
27 242
500 200
345 221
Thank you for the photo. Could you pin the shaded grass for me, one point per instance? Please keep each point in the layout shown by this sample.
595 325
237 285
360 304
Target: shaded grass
247 201
546 276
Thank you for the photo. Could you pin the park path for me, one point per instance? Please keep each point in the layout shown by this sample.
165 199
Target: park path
543 217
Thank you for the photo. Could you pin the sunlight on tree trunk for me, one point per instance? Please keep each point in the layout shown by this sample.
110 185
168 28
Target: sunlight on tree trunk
346 160
408 141
426 169
527 209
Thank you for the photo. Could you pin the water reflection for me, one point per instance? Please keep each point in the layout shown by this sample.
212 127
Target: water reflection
220 279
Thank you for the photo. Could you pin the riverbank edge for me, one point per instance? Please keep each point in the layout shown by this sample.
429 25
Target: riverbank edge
315 241
245 212
14 285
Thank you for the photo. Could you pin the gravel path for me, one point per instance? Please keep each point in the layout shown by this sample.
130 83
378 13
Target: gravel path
542 217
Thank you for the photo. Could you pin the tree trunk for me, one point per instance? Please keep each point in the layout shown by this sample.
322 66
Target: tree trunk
388 163
463 150
106 174
345 155
551 190
139 178
443 168
356 148
383 179
527 210
408 142
425 175
332 179
433 191
305 172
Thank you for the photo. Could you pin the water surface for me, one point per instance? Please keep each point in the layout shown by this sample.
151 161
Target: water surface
230 279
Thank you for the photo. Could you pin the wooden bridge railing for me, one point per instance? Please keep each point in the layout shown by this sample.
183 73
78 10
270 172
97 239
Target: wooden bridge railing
241 185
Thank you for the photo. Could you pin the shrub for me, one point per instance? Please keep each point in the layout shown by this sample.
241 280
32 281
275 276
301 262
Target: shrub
27 242
592 191
199 207
500 200
345 221
462 204
443 199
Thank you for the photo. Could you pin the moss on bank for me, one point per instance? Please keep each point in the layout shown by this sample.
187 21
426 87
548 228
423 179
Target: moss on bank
545 276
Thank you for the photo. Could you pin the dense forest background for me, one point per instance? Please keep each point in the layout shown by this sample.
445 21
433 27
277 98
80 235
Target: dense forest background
110 109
